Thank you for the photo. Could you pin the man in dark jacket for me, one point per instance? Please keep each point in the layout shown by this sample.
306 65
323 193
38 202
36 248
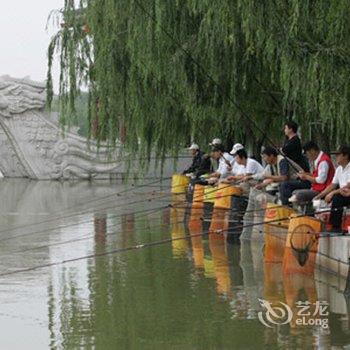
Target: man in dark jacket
196 161
292 147
297 162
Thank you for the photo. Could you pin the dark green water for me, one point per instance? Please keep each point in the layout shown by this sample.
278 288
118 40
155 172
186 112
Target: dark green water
198 293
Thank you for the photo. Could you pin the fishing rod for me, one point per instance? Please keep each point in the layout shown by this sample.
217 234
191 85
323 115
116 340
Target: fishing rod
26 234
111 252
148 211
76 214
145 245
107 234
196 216
53 219
228 96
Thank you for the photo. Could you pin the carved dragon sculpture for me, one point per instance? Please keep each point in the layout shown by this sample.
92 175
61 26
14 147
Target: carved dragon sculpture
33 146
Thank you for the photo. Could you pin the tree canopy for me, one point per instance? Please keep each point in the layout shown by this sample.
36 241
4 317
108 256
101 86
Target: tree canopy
160 73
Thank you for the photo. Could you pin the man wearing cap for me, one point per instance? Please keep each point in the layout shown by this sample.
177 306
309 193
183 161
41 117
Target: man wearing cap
225 160
197 155
338 192
215 162
243 165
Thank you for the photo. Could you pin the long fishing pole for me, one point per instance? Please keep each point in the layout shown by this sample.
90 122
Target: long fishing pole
237 105
196 216
145 245
73 215
107 234
26 234
82 212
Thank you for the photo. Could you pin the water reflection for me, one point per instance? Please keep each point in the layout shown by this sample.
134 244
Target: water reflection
197 291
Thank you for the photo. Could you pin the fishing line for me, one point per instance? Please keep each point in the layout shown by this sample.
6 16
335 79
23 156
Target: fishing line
88 210
144 245
111 252
26 234
107 234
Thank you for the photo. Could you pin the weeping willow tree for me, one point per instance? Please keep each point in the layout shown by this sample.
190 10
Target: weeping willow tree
160 73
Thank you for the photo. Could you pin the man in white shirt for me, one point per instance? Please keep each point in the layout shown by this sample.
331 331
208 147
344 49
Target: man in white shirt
226 163
338 192
243 165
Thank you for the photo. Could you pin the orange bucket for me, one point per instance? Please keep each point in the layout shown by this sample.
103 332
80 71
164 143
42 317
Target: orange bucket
198 196
223 196
301 245
179 183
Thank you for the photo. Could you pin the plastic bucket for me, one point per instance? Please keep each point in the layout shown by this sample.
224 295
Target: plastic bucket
198 196
223 196
179 183
209 194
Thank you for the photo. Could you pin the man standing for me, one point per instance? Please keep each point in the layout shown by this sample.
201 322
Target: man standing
297 163
320 178
338 192
292 146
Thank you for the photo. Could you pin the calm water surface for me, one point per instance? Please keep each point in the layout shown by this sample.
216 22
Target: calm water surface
197 293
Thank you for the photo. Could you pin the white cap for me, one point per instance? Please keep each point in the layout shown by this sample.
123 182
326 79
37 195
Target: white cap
215 142
193 147
236 148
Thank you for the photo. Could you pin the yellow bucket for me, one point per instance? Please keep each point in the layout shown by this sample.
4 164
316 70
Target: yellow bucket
223 196
275 212
209 194
198 196
179 183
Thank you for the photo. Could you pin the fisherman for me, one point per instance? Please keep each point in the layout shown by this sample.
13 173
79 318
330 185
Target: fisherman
292 150
292 147
226 162
321 176
243 165
338 192
215 162
276 171
197 155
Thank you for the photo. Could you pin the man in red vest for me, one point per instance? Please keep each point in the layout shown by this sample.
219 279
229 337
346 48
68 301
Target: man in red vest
321 176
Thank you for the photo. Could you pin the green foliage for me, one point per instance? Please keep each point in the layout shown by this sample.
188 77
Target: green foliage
149 64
